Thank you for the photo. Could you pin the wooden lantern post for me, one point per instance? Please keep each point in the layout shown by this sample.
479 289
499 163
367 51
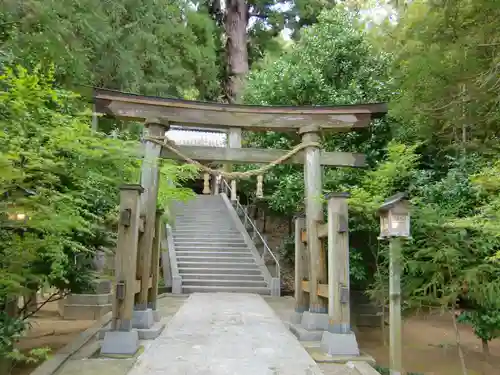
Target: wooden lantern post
395 226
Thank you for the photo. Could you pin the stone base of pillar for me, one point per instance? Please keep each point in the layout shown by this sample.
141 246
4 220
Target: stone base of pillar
144 334
156 315
296 317
311 326
315 321
120 343
143 319
336 344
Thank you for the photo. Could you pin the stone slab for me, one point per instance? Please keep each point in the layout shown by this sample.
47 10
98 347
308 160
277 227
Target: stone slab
225 334
120 343
339 344
84 312
304 334
321 357
88 299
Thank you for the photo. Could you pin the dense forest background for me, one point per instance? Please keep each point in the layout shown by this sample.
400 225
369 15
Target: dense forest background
437 64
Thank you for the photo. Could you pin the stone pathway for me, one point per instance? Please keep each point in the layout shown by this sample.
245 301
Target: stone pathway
205 321
225 334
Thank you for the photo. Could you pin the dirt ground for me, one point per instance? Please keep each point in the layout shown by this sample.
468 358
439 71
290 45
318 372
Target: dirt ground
430 348
49 330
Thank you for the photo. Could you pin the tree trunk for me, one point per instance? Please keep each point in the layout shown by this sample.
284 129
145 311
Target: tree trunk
486 346
236 23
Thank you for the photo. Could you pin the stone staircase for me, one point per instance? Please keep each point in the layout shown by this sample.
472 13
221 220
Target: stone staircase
211 251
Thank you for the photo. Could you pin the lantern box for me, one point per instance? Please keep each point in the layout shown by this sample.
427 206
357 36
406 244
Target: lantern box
395 217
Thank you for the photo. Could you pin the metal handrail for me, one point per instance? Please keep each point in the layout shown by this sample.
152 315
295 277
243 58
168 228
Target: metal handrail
255 230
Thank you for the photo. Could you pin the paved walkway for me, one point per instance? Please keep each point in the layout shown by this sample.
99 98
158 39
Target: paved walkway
225 334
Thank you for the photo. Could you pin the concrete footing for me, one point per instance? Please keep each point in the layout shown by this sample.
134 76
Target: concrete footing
143 319
308 326
295 317
120 343
335 344
305 335
156 315
314 321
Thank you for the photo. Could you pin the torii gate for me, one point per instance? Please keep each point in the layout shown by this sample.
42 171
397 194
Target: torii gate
138 202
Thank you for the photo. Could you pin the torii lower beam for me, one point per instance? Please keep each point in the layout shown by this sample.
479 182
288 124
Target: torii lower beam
262 156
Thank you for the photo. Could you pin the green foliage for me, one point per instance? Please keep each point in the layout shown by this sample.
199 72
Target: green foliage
332 63
64 180
153 47
484 321
445 72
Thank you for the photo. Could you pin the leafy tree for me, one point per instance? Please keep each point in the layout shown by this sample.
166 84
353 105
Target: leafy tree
332 63
153 47
59 187
486 324
445 74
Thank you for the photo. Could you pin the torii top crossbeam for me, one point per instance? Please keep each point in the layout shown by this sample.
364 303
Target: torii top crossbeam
249 117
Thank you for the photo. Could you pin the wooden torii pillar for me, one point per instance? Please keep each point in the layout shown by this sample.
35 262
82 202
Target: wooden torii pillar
135 314
307 121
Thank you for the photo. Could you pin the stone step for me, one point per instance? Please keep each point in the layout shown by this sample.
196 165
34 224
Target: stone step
202 246
209 244
215 265
222 276
216 259
221 282
367 320
214 254
201 249
204 220
203 228
182 234
186 231
220 239
225 289
201 269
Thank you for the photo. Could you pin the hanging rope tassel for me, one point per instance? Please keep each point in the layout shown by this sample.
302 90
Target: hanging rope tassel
260 191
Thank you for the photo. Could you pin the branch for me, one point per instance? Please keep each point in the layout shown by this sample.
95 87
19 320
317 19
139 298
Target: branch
39 306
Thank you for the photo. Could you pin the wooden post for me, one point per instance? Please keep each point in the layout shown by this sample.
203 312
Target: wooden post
126 257
301 267
338 264
149 181
314 216
155 260
395 324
